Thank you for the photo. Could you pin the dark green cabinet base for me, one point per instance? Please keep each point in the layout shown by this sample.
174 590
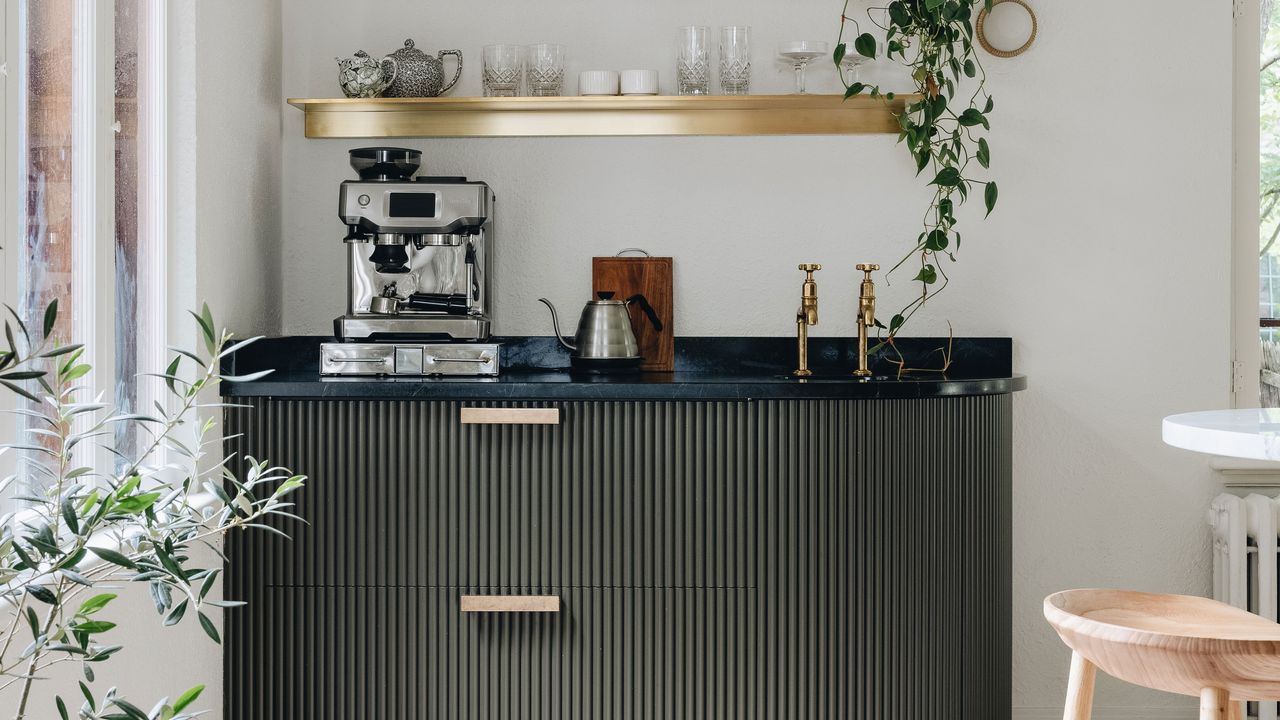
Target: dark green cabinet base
772 559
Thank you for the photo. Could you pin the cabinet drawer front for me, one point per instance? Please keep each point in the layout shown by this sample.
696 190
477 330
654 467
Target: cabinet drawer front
341 653
638 494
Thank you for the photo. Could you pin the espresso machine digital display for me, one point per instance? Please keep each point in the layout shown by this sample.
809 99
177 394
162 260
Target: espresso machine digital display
419 262
413 205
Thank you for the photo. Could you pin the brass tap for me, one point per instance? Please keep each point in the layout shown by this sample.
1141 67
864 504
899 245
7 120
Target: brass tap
807 315
866 316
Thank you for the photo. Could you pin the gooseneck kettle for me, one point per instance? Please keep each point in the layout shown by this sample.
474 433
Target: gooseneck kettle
605 341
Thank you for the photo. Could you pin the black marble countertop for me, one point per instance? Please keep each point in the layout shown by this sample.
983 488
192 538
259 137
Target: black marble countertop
707 368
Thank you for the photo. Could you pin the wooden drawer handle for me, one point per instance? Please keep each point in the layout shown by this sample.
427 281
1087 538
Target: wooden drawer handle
510 416
510 603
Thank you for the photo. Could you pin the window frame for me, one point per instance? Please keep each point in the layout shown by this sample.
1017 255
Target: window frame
1246 321
93 193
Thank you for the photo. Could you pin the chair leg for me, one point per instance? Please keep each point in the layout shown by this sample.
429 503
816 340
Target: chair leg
1080 689
1215 704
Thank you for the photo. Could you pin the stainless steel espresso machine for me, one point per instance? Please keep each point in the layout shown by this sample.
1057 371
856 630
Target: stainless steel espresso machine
419 265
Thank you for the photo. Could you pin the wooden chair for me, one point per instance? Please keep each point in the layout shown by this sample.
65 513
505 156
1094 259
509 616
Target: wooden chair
1179 644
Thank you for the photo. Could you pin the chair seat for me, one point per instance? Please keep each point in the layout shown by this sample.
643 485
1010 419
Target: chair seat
1175 643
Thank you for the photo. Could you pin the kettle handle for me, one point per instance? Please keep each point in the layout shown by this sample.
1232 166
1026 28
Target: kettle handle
457 74
647 309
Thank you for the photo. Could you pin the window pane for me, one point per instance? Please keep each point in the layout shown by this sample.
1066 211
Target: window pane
1269 207
44 269
127 32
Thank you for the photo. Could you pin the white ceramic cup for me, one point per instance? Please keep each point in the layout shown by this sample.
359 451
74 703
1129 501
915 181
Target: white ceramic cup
639 82
598 82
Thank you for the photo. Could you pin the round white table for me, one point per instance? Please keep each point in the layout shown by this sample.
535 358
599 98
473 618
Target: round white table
1251 434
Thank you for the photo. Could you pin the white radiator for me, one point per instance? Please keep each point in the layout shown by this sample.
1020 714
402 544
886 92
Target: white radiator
1246 554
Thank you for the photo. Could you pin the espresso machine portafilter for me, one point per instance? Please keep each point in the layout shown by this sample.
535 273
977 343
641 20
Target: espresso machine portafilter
419 271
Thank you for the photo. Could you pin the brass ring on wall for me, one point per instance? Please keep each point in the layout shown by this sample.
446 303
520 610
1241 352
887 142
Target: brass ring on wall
982 35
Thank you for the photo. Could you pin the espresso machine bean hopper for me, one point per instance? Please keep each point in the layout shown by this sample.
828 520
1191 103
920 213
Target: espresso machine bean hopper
419 265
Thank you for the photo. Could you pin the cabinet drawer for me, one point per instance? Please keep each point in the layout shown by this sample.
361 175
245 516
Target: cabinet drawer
341 653
642 494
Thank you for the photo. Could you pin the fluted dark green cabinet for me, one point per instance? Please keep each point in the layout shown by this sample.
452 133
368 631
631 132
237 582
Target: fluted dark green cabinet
727 559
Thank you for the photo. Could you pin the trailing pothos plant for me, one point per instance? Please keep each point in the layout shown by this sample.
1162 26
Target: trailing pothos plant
87 526
943 129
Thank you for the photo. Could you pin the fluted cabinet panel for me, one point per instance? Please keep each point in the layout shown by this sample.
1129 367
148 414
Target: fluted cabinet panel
776 559
404 494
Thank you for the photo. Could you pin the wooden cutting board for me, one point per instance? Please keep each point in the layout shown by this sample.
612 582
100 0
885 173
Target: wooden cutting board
651 277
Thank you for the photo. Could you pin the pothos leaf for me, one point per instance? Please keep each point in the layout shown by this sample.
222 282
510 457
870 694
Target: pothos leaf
947 177
990 196
865 44
936 240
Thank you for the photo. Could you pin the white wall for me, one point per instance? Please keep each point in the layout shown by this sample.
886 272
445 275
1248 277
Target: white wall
237 170
1108 261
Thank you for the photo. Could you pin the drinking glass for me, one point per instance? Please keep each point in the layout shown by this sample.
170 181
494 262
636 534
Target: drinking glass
546 69
735 60
693 71
503 70
851 67
799 53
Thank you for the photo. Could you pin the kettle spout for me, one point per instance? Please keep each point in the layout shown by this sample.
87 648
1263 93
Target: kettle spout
555 324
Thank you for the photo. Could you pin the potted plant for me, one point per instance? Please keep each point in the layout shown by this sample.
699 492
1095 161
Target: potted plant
84 531
943 129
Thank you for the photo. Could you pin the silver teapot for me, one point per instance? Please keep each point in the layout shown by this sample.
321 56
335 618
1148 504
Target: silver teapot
363 77
605 340
419 74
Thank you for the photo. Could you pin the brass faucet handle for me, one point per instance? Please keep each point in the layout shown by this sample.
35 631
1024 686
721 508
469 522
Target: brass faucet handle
810 267
868 267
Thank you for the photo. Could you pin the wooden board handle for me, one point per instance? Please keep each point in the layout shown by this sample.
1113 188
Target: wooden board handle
510 416
510 603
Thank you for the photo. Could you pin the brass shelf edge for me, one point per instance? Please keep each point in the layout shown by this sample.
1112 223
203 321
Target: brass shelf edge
599 116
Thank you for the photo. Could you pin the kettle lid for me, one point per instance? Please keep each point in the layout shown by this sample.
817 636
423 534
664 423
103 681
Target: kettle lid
606 298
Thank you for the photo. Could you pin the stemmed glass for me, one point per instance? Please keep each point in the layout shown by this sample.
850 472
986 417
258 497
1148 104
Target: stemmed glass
799 53
851 68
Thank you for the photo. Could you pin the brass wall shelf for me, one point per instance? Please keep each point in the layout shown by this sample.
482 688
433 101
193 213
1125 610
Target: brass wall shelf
599 116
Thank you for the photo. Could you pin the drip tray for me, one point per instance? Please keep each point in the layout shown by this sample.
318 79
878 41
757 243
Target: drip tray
413 359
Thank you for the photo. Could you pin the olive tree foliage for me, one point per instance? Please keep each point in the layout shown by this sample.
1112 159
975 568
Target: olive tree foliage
91 519
1269 97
